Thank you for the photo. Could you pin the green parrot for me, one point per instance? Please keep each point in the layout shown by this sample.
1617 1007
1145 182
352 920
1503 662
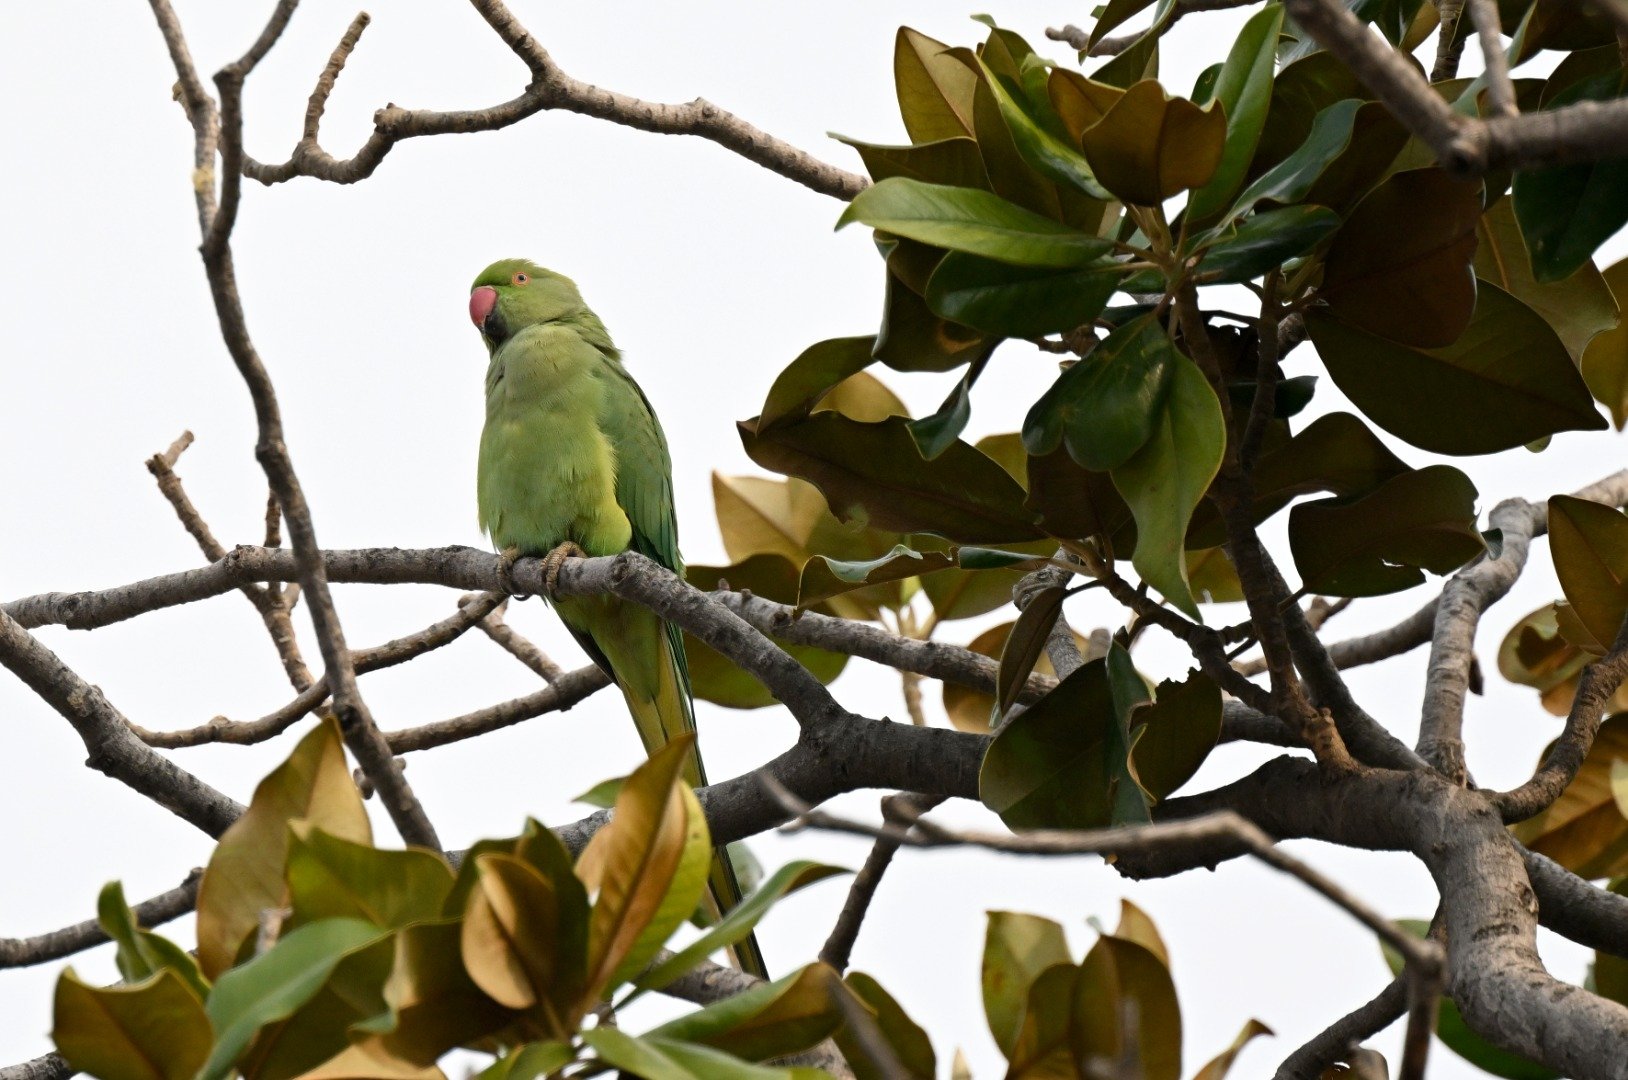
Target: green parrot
573 462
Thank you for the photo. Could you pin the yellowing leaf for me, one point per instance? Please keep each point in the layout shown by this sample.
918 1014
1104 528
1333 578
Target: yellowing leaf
934 88
1125 1003
1584 830
1137 926
522 945
1219 1066
1589 543
245 873
153 1030
1149 146
1017 948
330 877
1605 361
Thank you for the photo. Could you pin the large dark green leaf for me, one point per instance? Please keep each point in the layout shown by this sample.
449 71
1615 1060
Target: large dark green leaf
1150 146
912 338
1291 178
1106 406
1568 211
1506 381
1052 765
1017 301
1266 241
1382 542
1578 306
874 473
1171 737
1075 503
972 220
1401 265
1377 138
1025 645
1244 89
820 367
825 577
1166 479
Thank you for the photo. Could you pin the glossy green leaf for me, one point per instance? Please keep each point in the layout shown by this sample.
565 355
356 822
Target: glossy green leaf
1578 307
1244 88
1265 241
937 432
142 953
1040 148
807 380
656 1058
823 577
534 1061
1508 376
1166 479
934 88
1567 211
1150 146
273 985
1054 765
1290 179
1377 141
1173 735
1589 542
971 220
1383 541
1130 691
912 338
1025 645
1016 301
1605 361
1107 406
1401 267
874 473
979 558
330 878
153 1030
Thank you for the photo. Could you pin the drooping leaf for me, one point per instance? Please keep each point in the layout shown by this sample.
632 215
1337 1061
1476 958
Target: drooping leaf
823 577
1017 948
153 1030
1150 146
934 88
1535 653
1016 301
1508 376
938 431
970 709
1589 543
1055 765
912 338
1567 211
648 866
1130 691
142 953
245 873
1578 307
1105 407
1025 644
952 161
1243 86
1171 736
274 985
1164 482
1266 241
1605 361
974 221
1219 1066
1383 541
874 473
909 1043
1401 266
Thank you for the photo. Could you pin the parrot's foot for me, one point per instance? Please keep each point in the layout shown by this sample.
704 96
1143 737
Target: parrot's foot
552 563
505 573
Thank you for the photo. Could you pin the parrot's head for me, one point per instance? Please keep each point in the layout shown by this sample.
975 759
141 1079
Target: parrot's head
513 294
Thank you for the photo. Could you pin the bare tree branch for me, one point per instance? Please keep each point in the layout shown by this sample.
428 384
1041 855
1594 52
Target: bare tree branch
899 811
22 952
516 645
1337 1040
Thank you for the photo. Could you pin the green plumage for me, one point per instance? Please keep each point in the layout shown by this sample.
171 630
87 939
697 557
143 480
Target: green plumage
572 452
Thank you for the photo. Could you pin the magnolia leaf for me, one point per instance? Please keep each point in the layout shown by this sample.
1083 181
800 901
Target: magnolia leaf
776 1019
954 161
1150 146
1017 301
1106 407
1219 1066
245 872
329 878
1025 645
1401 266
1243 86
1291 178
934 89
153 1030
142 953
1266 241
909 1043
824 577
1164 482
807 380
1381 542
974 221
1017 948
1605 361
1508 375
1137 926
1584 830
1044 151
1578 307
1589 542
1125 1005
1173 735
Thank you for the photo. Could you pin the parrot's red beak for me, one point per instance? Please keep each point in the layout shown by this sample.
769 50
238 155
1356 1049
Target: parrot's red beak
481 303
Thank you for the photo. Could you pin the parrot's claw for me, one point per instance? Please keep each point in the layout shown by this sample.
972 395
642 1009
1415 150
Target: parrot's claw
505 573
552 563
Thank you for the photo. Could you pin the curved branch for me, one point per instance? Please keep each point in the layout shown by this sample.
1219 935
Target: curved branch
1334 1042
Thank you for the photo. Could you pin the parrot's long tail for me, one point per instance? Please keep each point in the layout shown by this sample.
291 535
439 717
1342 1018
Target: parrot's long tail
645 655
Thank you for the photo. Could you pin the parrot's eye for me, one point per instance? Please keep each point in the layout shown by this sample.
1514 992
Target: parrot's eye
520 278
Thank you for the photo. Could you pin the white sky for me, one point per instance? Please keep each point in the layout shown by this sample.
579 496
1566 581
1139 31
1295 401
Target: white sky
712 274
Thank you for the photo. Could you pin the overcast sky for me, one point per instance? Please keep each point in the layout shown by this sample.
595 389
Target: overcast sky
711 274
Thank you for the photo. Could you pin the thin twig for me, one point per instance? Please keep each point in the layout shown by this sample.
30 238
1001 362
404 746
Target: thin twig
22 952
1337 1040
517 645
1500 90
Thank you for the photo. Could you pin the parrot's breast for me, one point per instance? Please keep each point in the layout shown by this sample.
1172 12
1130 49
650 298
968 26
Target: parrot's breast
547 472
